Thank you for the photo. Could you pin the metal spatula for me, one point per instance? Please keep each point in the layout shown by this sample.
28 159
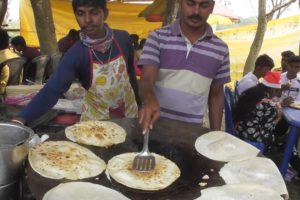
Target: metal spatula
144 161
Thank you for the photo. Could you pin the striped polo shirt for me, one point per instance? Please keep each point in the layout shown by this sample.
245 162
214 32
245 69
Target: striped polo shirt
185 74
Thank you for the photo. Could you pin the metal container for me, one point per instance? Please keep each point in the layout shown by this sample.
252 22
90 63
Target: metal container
10 191
14 147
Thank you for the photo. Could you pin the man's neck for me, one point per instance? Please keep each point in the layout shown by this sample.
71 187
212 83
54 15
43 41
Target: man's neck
291 76
192 34
258 75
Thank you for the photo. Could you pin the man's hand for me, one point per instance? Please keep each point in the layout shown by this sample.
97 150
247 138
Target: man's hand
150 109
279 113
286 86
287 101
18 120
149 113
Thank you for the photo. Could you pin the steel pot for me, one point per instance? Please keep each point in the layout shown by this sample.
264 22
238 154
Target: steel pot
10 191
14 147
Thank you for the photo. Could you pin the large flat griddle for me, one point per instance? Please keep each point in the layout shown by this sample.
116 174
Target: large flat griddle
172 139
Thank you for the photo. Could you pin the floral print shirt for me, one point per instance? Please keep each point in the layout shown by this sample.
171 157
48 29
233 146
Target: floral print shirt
260 125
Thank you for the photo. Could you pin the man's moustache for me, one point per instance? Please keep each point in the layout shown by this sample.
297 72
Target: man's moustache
87 27
197 17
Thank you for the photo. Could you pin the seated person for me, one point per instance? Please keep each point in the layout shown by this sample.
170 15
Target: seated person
285 55
137 55
290 79
19 45
65 43
134 39
263 64
256 113
5 54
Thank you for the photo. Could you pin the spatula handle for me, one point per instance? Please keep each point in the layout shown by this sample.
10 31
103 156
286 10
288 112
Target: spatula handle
146 140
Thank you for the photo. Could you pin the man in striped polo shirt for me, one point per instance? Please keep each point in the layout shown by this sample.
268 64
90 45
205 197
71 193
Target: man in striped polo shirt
184 68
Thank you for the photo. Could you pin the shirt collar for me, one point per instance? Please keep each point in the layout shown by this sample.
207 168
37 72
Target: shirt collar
176 30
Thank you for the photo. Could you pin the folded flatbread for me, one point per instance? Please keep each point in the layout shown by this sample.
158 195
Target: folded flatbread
254 171
82 191
164 174
97 133
221 146
62 159
239 192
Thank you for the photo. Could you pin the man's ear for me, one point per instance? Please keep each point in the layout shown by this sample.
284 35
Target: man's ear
106 12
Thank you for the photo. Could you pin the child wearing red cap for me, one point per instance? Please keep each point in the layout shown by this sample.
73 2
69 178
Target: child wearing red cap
256 113
257 116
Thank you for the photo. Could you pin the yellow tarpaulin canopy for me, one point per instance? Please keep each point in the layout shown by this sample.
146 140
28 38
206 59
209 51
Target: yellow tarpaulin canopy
121 16
281 35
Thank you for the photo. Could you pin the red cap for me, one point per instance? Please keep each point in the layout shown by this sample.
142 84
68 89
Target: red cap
272 79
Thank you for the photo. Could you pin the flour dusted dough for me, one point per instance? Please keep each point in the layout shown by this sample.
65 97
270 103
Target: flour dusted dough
97 133
221 146
254 171
82 191
62 159
164 174
239 192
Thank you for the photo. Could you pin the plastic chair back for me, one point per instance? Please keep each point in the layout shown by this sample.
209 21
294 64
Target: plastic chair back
258 145
236 92
41 64
229 102
15 70
228 105
54 62
55 59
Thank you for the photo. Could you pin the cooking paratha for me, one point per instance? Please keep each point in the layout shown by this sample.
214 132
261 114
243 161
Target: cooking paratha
239 192
221 146
164 174
254 171
97 133
62 159
82 191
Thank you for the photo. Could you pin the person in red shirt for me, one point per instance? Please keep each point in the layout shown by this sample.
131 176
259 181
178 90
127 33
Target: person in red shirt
67 42
19 45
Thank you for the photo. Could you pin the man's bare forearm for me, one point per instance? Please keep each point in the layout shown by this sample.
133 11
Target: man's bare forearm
216 105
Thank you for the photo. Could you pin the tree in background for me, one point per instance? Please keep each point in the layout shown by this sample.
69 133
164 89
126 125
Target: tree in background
171 12
263 18
44 26
3 9
276 7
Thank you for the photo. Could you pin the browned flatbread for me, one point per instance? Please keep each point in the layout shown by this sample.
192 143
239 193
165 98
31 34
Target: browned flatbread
62 159
96 133
164 174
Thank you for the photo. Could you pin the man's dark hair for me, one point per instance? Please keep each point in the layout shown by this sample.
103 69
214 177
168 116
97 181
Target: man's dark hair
92 3
247 102
287 53
73 34
264 60
4 39
142 43
134 39
293 59
18 40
